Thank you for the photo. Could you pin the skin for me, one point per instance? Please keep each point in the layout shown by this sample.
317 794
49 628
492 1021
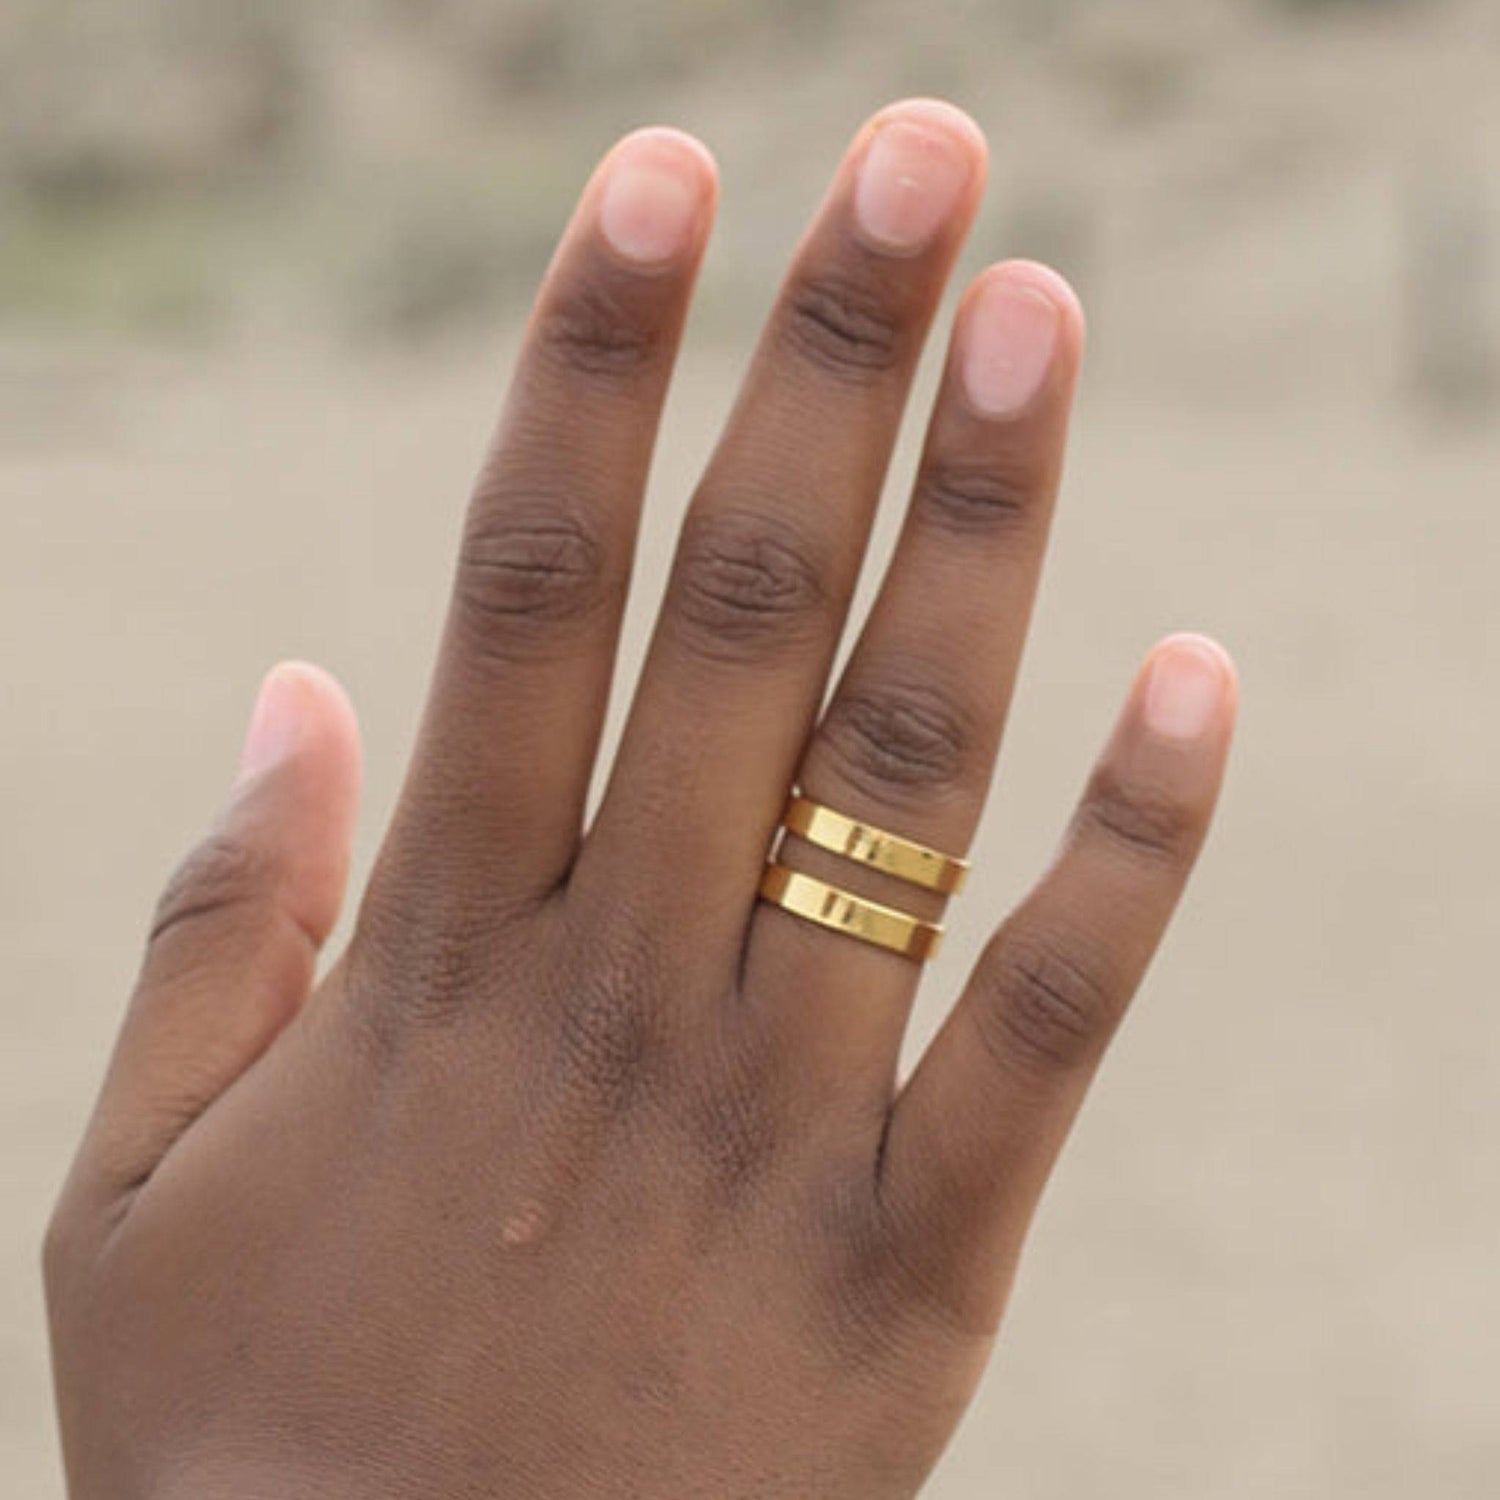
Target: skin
582 1171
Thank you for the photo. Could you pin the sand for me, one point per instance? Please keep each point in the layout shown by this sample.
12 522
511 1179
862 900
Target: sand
1268 1266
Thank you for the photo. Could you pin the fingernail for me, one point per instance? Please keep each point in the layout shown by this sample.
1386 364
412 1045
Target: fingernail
1186 689
1009 343
653 197
914 173
275 725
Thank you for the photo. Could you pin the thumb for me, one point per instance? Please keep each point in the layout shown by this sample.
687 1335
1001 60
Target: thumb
234 944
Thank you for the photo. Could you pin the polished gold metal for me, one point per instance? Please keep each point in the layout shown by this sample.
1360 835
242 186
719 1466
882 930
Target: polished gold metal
826 905
889 852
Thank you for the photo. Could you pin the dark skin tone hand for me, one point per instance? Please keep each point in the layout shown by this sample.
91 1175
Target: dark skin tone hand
584 1172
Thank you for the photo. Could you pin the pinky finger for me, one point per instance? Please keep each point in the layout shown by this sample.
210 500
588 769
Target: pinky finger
976 1132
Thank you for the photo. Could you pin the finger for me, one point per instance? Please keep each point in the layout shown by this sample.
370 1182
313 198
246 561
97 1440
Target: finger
909 739
773 540
236 935
497 787
974 1135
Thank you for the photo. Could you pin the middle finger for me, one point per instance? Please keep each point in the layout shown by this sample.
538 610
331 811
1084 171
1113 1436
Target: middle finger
772 543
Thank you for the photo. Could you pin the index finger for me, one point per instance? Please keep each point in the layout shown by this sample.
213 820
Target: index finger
501 770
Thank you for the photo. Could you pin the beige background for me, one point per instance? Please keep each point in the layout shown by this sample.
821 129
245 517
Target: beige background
257 284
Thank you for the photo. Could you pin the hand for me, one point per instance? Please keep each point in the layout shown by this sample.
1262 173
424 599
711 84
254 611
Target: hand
583 1172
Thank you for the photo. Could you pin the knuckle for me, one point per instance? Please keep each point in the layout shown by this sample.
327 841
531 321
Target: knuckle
733 1141
888 1295
603 1044
533 565
744 582
1144 823
898 739
844 326
427 973
1044 1006
604 1048
733 1124
975 499
222 872
593 330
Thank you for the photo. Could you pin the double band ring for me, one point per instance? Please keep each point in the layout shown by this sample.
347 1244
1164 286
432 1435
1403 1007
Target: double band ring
842 911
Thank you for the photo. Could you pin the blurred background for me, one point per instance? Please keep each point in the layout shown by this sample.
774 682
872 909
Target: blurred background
261 271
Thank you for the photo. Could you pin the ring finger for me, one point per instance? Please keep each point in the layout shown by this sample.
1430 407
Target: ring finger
909 740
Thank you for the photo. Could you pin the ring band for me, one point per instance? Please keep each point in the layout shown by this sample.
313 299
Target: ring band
827 906
889 852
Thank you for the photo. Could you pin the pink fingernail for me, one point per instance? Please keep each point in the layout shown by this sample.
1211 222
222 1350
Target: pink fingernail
914 174
653 197
275 725
1009 342
1186 689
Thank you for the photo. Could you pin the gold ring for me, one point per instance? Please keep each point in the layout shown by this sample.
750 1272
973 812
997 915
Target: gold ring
826 905
889 852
